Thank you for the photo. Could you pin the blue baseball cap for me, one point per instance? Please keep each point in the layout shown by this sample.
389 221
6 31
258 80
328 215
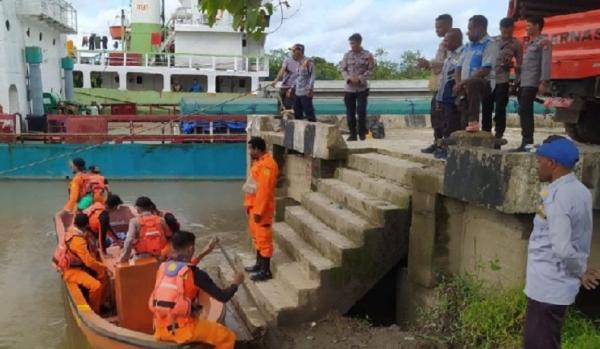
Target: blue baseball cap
562 150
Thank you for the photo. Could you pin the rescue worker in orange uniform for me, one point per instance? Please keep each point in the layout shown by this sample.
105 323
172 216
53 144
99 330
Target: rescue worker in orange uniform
174 301
84 183
148 234
259 202
80 266
107 231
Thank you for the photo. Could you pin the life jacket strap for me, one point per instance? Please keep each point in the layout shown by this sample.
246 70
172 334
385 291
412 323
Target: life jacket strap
164 304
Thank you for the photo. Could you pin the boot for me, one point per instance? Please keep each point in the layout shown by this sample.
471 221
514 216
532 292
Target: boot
256 267
264 273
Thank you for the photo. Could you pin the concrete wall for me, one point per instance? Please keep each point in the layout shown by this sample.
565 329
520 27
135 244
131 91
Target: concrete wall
298 175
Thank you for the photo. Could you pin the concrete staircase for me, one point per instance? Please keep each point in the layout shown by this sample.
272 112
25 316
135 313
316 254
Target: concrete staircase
331 249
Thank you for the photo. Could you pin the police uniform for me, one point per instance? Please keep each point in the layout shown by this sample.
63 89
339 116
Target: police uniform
361 65
537 66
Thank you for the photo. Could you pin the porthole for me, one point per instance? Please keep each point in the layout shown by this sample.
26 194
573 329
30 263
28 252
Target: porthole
41 36
28 32
7 23
53 42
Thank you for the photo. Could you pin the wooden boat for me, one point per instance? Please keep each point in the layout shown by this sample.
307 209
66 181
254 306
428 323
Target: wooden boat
131 285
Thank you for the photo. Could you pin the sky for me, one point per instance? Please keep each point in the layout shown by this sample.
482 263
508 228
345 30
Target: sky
323 26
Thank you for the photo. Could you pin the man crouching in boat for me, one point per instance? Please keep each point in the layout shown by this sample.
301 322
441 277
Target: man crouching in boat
79 266
174 299
148 233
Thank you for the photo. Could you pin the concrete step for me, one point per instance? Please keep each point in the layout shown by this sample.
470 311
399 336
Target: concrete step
329 242
373 209
314 263
273 296
293 276
336 216
243 302
383 166
378 187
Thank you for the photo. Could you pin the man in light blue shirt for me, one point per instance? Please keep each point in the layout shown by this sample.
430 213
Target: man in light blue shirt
559 245
475 76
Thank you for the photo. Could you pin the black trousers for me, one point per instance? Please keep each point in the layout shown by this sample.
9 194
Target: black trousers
543 323
451 119
303 106
437 119
526 99
356 102
499 100
478 98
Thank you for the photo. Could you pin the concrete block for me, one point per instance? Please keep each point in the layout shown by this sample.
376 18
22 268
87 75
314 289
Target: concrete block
327 241
295 278
428 180
337 217
318 140
423 202
383 166
298 174
494 247
373 209
421 251
508 181
378 187
311 260
473 139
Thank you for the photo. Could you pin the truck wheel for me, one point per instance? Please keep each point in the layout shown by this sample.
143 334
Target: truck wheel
588 125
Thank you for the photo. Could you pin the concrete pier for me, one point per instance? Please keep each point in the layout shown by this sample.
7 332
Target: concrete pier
348 213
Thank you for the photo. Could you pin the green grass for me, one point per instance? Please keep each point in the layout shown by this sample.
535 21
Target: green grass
470 315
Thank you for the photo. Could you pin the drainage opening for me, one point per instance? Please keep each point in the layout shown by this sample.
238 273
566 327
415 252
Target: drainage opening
378 306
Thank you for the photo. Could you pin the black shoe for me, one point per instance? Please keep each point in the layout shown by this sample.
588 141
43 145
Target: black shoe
351 138
441 154
256 267
362 137
264 273
430 149
524 148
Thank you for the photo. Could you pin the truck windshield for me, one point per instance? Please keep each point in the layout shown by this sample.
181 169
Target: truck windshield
524 8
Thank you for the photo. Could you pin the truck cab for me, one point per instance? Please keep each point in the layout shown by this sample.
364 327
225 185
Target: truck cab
573 26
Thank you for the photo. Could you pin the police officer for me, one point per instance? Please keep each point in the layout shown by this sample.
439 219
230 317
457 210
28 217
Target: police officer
559 245
535 75
357 67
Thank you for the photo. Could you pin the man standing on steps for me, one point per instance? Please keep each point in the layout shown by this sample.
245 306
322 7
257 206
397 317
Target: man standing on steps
259 202
443 24
357 67
559 245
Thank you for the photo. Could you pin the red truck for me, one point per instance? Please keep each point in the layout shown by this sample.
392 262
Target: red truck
574 28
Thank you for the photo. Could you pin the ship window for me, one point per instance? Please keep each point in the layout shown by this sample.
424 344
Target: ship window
138 80
28 32
7 23
41 36
53 42
242 83
244 43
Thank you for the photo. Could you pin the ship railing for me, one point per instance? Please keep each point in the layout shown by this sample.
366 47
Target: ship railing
174 60
55 12
86 129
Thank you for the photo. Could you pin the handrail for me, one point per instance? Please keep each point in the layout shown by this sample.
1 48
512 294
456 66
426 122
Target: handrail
98 52
151 118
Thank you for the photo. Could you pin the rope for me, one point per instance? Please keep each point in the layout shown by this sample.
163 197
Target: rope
93 146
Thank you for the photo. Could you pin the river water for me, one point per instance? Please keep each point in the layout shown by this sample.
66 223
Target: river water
33 313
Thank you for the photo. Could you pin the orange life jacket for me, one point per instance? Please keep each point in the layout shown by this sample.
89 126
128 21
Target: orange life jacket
174 294
152 237
63 258
93 212
92 183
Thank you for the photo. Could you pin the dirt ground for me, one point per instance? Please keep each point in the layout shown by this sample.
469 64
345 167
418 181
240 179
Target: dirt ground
340 332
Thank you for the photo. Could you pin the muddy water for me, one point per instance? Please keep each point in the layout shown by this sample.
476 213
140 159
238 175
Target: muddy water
32 307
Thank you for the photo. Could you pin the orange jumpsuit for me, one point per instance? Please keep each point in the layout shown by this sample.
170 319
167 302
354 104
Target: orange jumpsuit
96 286
191 329
264 173
77 191
75 188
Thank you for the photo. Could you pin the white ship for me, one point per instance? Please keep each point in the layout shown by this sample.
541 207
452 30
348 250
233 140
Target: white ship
155 52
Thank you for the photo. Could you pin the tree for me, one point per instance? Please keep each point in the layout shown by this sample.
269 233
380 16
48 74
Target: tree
408 66
276 57
326 70
406 69
249 16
